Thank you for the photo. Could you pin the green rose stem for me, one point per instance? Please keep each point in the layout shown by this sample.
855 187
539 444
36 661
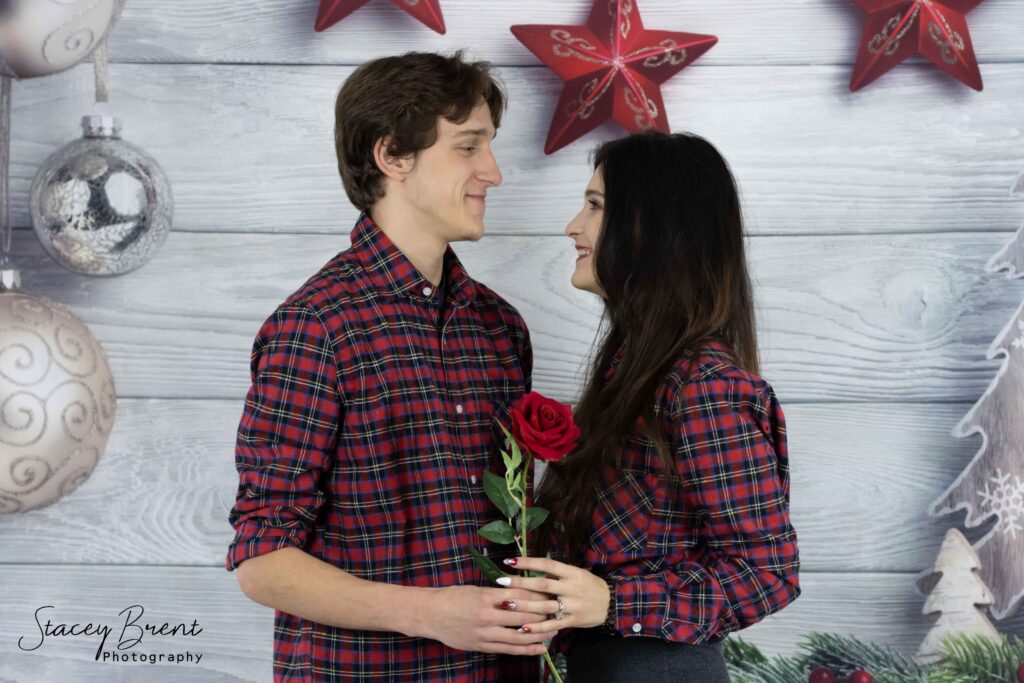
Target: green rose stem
522 505
523 547
509 496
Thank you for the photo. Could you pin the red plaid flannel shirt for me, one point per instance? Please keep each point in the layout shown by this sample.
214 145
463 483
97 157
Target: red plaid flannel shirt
364 440
716 552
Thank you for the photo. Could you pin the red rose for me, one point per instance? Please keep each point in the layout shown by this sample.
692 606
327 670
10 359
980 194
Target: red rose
544 427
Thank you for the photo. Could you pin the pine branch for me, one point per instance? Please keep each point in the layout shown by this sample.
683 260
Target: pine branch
778 669
845 654
969 659
747 664
976 659
740 653
895 677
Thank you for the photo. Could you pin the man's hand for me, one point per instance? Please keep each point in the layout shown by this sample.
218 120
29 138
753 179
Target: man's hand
473 619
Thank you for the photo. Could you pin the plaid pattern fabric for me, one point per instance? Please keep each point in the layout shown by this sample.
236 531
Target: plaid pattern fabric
363 441
714 551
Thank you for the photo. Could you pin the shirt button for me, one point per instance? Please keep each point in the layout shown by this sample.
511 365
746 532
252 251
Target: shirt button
637 628
472 479
427 291
458 409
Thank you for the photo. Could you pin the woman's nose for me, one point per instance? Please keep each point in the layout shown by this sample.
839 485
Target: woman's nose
571 229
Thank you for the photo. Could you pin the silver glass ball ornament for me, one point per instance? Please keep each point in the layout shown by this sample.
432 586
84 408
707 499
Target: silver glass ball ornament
57 399
100 205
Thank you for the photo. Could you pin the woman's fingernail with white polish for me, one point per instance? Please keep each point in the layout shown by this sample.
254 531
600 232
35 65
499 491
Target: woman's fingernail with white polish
504 581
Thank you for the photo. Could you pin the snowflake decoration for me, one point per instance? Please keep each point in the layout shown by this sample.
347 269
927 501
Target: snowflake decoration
1006 501
1019 341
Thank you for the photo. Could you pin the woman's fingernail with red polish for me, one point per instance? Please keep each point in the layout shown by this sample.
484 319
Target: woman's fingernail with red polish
508 604
526 629
510 561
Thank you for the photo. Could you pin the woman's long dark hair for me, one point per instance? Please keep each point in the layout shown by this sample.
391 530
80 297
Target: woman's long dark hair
671 262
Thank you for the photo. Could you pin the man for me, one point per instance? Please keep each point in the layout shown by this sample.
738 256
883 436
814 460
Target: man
368 426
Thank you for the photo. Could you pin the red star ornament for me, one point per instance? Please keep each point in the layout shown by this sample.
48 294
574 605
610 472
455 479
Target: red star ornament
612 68
897 29
333 11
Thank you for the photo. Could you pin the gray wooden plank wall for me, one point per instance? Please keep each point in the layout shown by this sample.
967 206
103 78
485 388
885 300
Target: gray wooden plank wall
872 217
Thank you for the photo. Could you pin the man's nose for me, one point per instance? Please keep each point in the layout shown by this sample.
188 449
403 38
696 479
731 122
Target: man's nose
490 173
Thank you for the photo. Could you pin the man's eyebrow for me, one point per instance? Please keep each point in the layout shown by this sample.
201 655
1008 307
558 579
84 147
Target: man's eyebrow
476 133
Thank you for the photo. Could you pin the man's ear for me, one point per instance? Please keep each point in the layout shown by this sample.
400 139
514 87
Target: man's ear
391 166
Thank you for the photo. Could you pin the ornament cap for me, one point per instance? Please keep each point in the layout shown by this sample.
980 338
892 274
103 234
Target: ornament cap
97 126
10 279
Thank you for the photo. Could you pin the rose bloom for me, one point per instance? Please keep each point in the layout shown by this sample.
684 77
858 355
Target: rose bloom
544 427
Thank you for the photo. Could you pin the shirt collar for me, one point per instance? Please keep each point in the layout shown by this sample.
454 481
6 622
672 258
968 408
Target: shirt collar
391 270
712 347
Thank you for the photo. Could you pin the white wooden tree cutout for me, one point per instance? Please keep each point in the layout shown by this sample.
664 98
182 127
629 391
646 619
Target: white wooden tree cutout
956 594
992 485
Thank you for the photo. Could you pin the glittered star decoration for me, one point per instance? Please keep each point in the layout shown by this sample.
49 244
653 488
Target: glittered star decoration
612 68
333 11
897 29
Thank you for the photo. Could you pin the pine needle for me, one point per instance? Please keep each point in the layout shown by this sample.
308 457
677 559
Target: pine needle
778 669
740 653
747 664
846 654
969 659
976 659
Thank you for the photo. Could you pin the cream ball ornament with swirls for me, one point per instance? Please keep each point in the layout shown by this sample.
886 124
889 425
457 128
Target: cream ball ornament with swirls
57 399
42 37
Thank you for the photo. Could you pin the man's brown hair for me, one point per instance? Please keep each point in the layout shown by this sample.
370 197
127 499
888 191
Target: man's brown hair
403 97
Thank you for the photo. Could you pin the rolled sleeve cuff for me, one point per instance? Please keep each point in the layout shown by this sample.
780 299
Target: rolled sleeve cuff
646 606
253 539
641 606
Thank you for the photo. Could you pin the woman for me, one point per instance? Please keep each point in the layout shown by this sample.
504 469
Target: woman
676 500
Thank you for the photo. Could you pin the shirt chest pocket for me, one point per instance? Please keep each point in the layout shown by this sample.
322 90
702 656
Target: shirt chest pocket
383 399
622 518
369 410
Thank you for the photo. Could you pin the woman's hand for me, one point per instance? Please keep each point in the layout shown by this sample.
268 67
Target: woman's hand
584 597
478 620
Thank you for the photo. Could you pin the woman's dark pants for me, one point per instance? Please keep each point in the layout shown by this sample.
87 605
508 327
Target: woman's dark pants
597 658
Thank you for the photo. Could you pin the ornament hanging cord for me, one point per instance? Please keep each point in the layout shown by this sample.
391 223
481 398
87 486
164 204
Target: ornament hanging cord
100 70
5 160
99 65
